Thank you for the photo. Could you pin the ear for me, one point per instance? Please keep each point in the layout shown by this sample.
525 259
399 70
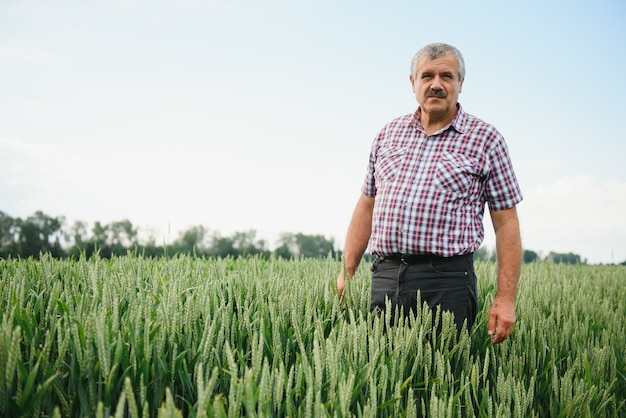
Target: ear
412 82
461 84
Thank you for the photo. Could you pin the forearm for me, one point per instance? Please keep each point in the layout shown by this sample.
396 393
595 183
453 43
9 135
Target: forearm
358 235
509 254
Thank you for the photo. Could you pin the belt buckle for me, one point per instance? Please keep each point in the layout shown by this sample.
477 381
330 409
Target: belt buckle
404 259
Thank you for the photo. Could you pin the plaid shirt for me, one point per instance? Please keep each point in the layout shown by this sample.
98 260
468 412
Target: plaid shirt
430 191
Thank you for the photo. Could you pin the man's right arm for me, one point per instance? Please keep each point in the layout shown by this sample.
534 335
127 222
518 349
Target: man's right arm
358 235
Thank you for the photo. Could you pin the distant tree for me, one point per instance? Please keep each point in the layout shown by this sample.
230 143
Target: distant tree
122 234
283 251
222 246
245 243
241 243
302 245
39 233
314 245
192 241
530 256
287 247
107 240
569 258
7 235
78 233
99 234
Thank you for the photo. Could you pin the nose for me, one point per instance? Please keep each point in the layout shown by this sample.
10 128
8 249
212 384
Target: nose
436 83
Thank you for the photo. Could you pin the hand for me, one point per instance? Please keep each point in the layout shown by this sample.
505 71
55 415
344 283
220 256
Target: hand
501 320
341 285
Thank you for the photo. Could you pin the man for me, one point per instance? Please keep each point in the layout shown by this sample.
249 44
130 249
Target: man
429 177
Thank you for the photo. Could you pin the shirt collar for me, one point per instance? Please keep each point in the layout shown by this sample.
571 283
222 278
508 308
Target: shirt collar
458 123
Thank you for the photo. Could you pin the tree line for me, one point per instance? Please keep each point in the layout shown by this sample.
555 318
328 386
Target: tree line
44 234
530 256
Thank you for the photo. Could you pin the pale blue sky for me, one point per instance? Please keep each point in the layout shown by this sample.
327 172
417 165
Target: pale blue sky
243 115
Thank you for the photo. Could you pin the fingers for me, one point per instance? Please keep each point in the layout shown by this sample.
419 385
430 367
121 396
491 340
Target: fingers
341 284
500 335
502 330
501 322
491 323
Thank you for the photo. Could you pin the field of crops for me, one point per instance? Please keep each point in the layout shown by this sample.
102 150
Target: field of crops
135 337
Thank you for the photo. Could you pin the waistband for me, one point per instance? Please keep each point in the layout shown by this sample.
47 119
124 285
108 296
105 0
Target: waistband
419 258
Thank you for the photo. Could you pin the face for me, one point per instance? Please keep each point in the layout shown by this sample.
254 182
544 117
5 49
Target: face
436 85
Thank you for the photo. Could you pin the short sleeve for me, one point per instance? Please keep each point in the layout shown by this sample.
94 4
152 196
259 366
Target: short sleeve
369 184
502 189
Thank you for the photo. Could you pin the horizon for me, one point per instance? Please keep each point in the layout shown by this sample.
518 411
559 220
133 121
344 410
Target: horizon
146 236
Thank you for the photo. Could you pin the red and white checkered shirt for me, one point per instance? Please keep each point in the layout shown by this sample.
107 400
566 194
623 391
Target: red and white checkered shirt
430 191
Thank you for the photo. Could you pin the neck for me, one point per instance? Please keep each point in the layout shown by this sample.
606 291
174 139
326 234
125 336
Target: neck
433 122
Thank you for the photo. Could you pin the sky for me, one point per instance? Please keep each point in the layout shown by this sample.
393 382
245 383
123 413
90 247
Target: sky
246 115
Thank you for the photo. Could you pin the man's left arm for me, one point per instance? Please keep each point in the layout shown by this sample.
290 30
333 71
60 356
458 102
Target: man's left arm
509 253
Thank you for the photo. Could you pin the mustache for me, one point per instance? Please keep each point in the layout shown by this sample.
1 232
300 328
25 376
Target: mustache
436 93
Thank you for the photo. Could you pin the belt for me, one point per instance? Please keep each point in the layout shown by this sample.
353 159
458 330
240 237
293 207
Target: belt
408 258
416 258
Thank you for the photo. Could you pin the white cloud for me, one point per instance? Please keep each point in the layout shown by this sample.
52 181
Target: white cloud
579 214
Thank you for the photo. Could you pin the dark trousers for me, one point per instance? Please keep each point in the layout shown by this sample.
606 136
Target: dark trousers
446 282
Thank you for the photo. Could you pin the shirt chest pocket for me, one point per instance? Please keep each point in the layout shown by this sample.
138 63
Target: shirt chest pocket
388 162
456 172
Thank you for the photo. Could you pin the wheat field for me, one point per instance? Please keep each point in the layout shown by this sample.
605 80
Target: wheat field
137 337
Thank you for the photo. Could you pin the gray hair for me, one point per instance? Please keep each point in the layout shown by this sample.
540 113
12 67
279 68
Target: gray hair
437 50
